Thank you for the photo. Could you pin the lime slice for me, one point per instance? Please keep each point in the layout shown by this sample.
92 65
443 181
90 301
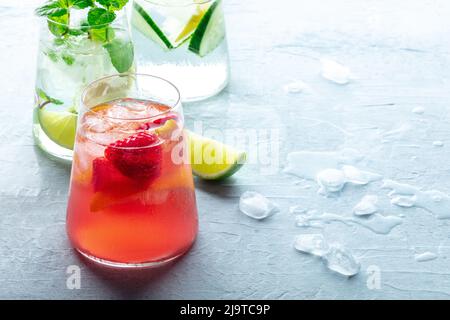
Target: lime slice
179 25
145 24
212 160
210 31
191 25
60 127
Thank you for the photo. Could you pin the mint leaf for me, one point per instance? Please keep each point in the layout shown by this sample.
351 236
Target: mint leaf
68 59
113 5
52 55
42 95
50 8
82 4
58 22
99 17
121 53
102 35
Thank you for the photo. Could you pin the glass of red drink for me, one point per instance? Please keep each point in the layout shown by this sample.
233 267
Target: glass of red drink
132 198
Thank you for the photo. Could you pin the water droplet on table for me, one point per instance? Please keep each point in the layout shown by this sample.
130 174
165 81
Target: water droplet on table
425 256
297 210
405 195
418 110
296 87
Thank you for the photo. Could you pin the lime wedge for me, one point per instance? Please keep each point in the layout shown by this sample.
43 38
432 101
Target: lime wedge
145 24
60 127
210 31
213 160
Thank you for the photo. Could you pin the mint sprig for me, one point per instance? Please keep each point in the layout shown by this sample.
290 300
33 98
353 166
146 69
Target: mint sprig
101 12
97 25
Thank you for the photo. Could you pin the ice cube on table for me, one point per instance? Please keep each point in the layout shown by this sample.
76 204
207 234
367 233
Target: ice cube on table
330 180
341 260
367 206
257 206
335 72
314 244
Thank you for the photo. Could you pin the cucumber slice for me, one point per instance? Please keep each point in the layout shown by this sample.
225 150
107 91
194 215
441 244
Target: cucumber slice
145 24
210 31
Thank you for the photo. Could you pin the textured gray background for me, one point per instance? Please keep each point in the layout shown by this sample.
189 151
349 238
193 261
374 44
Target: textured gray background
400 57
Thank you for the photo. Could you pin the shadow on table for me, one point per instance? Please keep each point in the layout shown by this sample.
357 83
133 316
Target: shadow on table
48 159
129 283
220 189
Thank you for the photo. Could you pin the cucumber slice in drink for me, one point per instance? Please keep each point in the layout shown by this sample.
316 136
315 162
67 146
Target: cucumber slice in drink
210 31
145 24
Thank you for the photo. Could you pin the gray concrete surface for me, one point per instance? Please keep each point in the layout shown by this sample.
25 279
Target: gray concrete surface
399 55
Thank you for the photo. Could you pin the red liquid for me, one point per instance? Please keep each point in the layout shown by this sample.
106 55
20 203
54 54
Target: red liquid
129 220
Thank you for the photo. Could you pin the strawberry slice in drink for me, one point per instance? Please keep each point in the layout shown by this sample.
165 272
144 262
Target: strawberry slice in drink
128 167
108 179
137 157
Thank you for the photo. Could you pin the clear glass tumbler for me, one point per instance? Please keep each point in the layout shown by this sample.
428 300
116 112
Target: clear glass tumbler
132 198
183 41
72 55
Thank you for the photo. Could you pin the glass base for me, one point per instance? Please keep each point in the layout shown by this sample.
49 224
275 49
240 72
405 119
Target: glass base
151 264
48 146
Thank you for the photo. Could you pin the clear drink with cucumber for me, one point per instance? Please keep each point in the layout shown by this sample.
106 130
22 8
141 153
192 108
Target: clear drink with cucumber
183 41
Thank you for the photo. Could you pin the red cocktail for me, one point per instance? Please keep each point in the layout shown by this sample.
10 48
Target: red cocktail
132 198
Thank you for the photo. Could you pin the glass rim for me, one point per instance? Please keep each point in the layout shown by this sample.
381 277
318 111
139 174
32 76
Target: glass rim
183 3
170 109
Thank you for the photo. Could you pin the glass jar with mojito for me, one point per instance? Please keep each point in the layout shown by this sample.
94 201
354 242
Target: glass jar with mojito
80 41
183 41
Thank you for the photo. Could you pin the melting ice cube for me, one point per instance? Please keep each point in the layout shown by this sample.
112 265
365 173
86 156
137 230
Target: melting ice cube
335 72
342 261
367 206
330 180
256 206
314 244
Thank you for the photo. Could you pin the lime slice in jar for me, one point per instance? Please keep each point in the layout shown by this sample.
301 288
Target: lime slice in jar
59 126
179 23
210 31
191 25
